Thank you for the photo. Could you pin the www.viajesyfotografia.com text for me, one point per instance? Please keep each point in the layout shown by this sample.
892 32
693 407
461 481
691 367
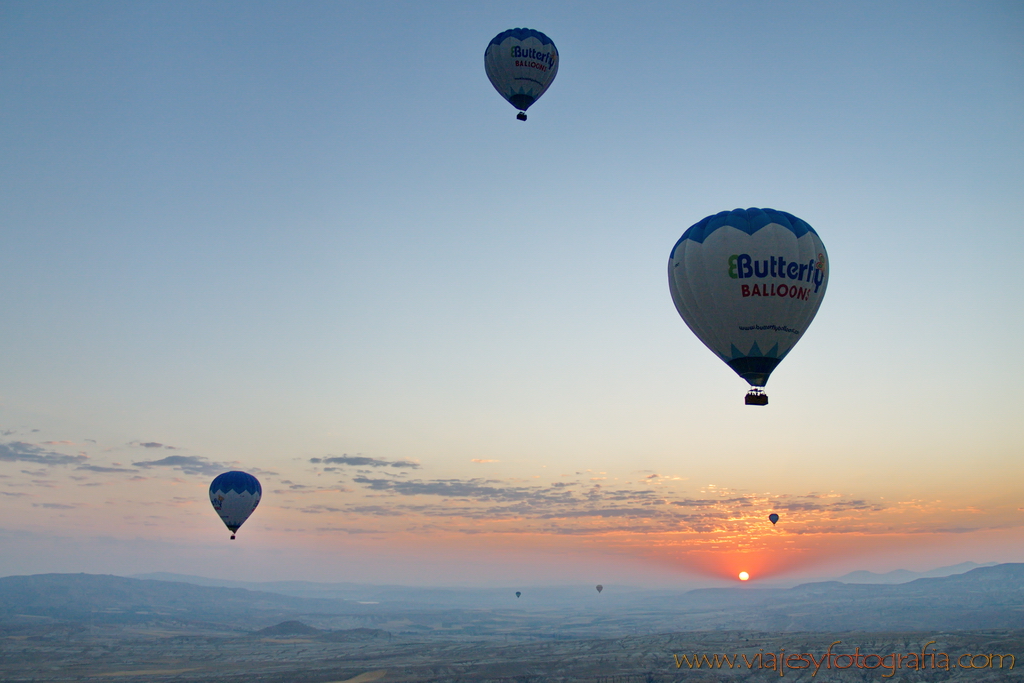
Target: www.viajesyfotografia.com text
889 664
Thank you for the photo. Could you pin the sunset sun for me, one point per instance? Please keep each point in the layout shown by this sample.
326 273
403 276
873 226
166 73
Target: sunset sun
744 576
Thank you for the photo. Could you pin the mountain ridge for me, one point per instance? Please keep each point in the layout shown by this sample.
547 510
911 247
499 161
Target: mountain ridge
983 598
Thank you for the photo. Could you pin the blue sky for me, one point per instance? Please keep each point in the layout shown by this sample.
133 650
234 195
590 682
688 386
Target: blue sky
265 233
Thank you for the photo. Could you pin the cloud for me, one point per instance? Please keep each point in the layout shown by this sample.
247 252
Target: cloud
97 468
54 506
375 510
302 489
189 464
479 460
319 509
363 461
481 499
449 488
152 444
583 507
607 512
18 451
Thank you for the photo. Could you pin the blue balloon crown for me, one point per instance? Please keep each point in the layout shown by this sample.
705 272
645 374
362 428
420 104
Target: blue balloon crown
746 220
238 482
522 34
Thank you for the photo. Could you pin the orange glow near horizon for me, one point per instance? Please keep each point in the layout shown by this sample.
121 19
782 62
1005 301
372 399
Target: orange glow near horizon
744 576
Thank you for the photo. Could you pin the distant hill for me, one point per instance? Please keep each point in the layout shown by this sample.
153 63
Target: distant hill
419 597
904 576
289 628
298 589
90 597
351 635
356 635
983 598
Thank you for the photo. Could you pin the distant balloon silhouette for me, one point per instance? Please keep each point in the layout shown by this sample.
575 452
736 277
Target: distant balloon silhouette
518 594
773 518
234 496
600 588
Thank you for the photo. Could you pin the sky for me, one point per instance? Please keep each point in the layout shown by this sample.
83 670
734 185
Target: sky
310 241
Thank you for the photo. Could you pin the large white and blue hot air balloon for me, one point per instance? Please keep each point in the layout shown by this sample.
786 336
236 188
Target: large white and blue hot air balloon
234 496
521 63
748 283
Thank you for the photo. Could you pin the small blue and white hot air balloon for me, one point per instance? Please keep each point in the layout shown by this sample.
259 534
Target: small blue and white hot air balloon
234 496
748 282
521 63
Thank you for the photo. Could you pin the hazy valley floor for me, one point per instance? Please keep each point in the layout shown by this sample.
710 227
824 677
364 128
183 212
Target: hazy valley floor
138 653
94 628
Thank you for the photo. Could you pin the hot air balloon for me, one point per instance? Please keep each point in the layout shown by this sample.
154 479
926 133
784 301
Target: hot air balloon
773 518
518 594
748 282
600 588
521 63
234 496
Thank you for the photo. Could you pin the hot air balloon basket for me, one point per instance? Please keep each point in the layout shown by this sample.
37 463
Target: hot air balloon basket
756 397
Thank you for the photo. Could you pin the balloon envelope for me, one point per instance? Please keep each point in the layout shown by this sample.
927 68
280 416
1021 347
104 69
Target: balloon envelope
521 63
600 588
518 594
773 518
747 283
234 496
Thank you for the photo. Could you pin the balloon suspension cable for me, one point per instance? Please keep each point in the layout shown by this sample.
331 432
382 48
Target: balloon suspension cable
521 116
756 397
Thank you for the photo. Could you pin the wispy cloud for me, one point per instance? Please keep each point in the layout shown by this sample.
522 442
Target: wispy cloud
581 507
107 470
303 489
319 509
375 510
189 464
152 444
19 451
363 461
478 489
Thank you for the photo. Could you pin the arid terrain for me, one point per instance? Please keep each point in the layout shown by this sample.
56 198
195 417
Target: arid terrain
133 654
78 627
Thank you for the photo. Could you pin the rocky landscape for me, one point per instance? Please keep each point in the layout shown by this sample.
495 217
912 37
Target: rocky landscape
103 628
